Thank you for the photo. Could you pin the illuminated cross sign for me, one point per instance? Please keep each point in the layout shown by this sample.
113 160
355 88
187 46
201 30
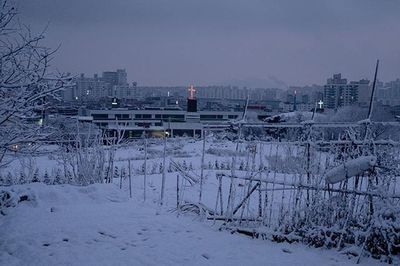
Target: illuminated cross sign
320 104
191 92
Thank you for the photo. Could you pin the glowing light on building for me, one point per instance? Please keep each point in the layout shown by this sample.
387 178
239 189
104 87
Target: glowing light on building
192 91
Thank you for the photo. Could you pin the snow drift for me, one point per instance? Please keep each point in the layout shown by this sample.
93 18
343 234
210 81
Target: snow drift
350 168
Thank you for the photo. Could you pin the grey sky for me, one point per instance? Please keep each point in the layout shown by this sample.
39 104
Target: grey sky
176 42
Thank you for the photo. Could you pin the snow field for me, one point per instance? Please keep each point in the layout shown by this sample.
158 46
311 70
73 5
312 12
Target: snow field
100 225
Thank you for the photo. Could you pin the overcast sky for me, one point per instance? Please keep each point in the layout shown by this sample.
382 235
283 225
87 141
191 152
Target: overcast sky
177 42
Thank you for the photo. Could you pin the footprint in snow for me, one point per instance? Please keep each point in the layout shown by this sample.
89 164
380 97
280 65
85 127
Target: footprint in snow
206 256
106 234
286 250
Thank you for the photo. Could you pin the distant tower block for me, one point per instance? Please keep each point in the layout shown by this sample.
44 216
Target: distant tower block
191 101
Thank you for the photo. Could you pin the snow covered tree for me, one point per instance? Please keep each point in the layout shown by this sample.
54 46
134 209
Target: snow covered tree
35 177
46 178
84 155
57 179
9 180
154 169
241 166
26 87
216 165
123 173
22 178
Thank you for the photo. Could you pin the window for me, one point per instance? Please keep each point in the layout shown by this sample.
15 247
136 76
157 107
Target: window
101 124
122 116
173 118
211 117
100 116
145 125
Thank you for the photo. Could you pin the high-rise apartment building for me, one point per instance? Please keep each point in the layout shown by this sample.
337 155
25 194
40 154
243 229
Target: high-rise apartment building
222 92
339 93
115 78
364 91
88 88
389 94
110 84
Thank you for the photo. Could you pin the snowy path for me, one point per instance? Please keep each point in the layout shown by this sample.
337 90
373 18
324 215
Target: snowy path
98 226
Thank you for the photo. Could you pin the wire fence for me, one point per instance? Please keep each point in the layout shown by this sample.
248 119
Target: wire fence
332 186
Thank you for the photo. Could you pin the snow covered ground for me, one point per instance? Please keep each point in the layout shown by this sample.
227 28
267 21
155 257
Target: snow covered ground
100 225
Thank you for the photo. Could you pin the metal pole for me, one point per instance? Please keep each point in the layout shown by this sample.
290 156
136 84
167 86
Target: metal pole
371 103
177 191
202 166
145 169
130 179
163 173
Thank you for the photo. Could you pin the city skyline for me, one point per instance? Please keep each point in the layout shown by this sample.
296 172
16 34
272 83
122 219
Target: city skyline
179 43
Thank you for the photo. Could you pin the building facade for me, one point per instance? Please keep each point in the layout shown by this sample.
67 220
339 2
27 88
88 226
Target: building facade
339 93
389 94
110 84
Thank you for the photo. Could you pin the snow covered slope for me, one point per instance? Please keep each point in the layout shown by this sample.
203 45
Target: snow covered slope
100 225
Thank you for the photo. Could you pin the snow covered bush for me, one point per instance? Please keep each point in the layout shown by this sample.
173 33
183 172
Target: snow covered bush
382 239
86 160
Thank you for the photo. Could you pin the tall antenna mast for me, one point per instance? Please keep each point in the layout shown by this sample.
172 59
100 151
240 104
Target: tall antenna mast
371 103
